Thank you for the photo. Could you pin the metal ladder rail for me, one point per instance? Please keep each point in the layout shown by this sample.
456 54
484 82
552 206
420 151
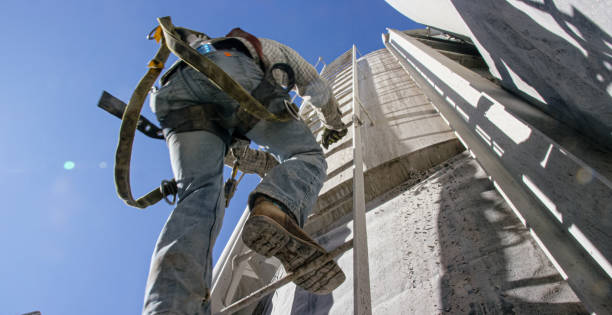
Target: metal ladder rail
362 300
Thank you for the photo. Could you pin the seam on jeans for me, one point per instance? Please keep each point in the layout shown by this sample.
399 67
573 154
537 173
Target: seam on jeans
212 227
307 195
302 206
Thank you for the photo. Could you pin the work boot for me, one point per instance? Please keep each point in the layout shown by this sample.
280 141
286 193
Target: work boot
269 231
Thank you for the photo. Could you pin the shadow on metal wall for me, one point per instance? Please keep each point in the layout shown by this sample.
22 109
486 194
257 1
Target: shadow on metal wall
583 207
574 82
477 231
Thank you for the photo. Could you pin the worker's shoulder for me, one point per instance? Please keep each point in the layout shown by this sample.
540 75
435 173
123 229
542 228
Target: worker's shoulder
270 42
275 47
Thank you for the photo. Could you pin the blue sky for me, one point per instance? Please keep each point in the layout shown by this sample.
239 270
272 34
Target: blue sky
69 245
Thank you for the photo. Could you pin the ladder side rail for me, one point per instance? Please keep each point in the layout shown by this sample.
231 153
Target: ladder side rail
361 268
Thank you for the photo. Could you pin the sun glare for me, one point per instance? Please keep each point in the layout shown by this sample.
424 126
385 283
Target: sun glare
68 165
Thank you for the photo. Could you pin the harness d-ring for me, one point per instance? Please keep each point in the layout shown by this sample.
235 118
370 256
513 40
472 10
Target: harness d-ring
155 34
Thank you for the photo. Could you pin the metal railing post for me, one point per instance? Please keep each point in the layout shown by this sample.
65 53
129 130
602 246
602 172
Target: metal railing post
361 268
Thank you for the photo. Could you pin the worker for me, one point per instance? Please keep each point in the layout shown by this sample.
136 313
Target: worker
180 274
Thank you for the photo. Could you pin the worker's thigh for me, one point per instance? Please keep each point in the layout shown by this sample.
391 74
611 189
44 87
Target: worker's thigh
285 140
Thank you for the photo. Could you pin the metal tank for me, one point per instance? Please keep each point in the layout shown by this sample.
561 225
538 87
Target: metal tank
440 238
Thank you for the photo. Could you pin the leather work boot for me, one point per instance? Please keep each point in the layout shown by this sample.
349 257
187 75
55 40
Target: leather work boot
269 231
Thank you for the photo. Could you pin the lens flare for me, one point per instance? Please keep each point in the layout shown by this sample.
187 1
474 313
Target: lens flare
584 176
68 165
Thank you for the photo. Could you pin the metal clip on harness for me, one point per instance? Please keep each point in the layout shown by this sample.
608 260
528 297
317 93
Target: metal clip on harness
169 188
231 185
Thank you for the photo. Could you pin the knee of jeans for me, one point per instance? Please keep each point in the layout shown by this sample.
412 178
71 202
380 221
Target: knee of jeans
208 182
316 162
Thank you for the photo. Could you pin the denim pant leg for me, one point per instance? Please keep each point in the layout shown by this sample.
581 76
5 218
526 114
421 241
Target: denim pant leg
181 266
295 182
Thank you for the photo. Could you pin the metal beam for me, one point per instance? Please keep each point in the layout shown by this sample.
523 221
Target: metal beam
361 267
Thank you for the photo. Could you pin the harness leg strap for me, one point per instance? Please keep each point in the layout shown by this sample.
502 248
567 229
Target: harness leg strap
196 117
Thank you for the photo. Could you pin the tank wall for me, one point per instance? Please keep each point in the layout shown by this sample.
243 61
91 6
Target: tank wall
402 133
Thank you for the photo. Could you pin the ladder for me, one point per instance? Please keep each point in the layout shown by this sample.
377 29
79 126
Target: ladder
361 284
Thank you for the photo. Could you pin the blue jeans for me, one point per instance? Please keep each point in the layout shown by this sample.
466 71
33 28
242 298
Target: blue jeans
181 266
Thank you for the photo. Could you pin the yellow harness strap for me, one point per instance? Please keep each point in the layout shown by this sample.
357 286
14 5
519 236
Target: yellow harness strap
170 41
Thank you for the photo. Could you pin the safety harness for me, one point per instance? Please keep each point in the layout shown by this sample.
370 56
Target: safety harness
253 107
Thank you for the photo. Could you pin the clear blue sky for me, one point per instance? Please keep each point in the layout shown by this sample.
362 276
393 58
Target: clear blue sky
69 245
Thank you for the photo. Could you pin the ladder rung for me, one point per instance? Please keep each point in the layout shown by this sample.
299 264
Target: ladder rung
257 295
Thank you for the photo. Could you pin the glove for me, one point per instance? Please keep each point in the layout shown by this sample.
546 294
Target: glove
332 136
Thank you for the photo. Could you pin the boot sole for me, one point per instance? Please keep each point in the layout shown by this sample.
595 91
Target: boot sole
268 238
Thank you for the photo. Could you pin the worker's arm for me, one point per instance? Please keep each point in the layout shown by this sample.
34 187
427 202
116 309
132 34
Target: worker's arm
309 85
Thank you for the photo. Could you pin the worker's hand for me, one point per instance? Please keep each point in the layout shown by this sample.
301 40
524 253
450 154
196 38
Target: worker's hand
332 136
